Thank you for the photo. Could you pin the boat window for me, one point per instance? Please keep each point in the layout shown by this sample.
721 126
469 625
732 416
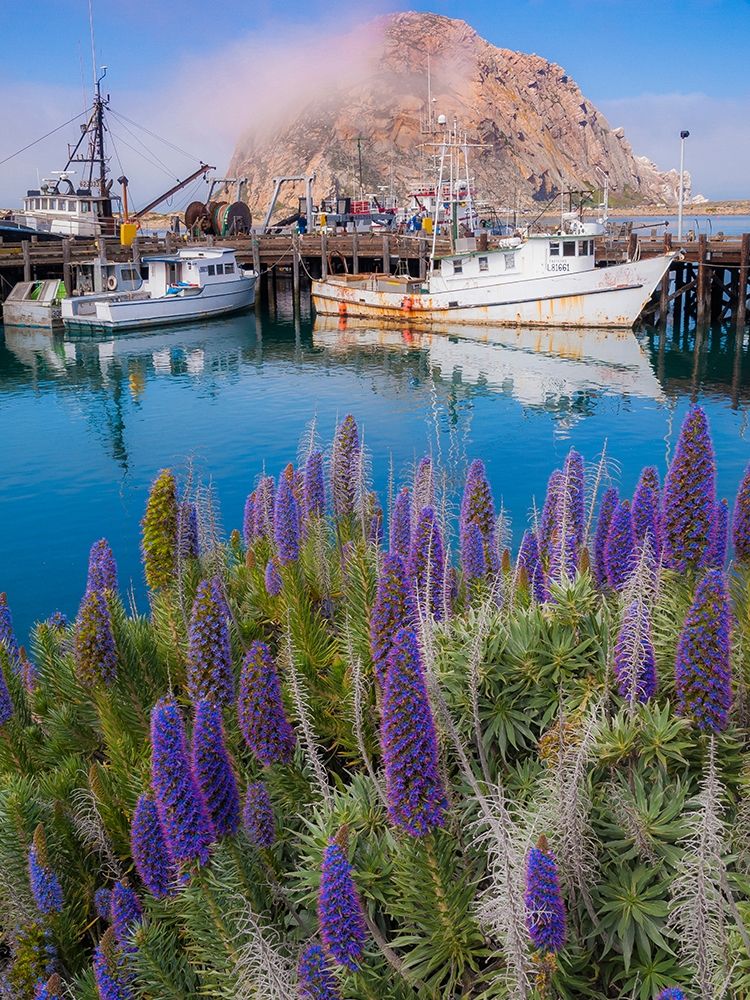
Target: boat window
510 261
219 268
554 249
484 264
129 274
37 203
229 269
211 269
85 206
569 248
458 267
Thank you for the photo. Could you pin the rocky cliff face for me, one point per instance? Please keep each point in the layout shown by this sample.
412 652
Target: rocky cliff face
534 130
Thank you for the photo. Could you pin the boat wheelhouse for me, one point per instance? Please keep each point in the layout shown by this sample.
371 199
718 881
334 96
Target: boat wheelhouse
193 284
62 209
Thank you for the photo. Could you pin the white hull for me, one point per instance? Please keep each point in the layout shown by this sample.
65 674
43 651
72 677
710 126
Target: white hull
42 310
60 226
596 297
141 310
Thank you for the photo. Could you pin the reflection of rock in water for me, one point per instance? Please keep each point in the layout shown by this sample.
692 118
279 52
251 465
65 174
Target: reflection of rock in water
537 368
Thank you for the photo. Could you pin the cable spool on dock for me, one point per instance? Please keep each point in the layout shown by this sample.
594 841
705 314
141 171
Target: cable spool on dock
218 218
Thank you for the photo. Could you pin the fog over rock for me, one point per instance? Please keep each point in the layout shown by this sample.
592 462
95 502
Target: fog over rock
535 130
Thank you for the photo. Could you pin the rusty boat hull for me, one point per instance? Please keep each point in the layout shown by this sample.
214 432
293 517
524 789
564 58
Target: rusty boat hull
601 297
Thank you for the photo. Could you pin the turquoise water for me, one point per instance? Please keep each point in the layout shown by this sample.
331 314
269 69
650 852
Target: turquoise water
85 425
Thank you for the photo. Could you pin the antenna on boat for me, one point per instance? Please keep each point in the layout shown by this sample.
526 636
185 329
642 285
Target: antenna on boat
93 43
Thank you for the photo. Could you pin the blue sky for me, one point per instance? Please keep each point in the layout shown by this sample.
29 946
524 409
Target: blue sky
653 67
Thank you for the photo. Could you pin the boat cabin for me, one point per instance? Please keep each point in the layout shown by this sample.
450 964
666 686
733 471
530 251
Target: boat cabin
190 270
514 259
59 207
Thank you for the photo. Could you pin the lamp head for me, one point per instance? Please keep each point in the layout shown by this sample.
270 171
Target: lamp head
684 134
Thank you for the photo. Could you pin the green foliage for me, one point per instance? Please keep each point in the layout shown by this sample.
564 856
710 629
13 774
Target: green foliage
533 740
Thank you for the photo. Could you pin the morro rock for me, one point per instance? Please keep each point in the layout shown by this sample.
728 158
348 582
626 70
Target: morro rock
532 131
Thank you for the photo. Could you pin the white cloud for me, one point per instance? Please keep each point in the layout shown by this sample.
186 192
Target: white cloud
718 150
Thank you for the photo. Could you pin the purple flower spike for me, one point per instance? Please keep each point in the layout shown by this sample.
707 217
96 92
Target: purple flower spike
635 668
345 467
188 545
424 485
209 655
340 914
51 990
317 980
703 673
183 817
286 524
109 973
314 486
391 611
248 520
127 913
416 796
273 579
548 520
261 712
647 511
149 849
609 504
545 910
6 702
671 994
56 620
257 816
212 769
573 475
45 885
265 493
740 522
102 573
103 903
716 554
619 550
426 569
7 635
528 559
690 496
478 506
473 561
400 530
93 641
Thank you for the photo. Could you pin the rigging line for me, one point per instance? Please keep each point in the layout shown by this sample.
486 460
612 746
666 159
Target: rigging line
46 135
154 135
93 44
140 152
144 146
119 163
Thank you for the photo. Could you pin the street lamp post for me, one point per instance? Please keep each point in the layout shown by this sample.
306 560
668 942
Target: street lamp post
683 136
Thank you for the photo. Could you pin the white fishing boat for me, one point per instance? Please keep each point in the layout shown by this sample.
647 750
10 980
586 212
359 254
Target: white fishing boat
530 279
193 284
536 280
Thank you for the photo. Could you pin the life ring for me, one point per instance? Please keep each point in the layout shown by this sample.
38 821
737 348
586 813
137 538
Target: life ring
112 283
342 308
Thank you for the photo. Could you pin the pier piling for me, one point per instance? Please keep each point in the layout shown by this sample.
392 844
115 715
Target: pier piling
742 283
26 248
67 273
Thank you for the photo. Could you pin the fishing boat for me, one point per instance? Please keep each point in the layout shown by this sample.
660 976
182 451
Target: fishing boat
535 280
528 279
192 284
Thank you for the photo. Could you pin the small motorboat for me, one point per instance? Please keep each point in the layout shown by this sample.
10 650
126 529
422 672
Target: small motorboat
193 284
39 303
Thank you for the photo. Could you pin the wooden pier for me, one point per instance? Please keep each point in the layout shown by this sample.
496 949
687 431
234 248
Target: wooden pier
707 283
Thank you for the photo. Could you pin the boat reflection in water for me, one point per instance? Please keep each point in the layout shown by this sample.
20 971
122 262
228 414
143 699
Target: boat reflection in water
538 368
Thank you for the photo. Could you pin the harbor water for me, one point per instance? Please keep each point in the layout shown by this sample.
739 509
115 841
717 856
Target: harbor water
86 424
